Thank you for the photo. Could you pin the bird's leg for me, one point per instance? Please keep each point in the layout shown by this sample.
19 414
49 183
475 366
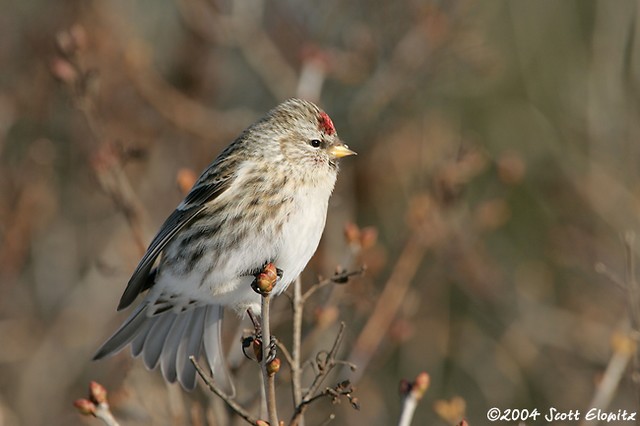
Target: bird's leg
255 321
273 349
256 340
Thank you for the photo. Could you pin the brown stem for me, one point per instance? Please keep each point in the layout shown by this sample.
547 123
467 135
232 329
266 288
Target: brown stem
329 364
269 379
233 405
634 302
296 370
337 278
389 302
324 368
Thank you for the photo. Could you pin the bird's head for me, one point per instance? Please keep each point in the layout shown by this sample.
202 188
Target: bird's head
305 134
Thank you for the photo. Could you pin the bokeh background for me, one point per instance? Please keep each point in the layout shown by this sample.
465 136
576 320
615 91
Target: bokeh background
494 198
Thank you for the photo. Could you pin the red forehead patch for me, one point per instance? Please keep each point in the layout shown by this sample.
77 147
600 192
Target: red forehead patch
325 124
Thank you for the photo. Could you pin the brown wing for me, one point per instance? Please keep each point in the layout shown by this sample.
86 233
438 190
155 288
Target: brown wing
192 205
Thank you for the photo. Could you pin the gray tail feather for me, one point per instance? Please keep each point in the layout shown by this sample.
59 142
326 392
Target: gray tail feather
170 338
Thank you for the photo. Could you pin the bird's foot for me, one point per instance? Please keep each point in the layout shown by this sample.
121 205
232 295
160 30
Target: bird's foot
273 349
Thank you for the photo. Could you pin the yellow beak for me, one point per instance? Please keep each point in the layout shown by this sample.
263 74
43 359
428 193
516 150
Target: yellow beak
341 150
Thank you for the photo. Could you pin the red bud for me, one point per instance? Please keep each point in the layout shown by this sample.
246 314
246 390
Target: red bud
273 367
85 407
97 392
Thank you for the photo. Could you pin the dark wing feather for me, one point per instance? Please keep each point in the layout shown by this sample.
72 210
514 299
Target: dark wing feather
193 204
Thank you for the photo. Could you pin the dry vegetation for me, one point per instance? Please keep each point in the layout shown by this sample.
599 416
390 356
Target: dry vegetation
496 194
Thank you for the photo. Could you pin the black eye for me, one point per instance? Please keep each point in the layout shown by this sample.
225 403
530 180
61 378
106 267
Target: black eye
316 143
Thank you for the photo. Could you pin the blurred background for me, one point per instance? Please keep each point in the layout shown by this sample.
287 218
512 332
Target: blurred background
494 199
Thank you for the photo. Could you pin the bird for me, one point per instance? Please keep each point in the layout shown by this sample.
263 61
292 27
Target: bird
263 200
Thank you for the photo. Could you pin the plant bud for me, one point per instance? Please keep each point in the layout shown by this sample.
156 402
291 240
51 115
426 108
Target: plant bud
623 343
266 280
273 367
65 43
97 392
79 37
420 385
352 233
368 237
85 407
63 71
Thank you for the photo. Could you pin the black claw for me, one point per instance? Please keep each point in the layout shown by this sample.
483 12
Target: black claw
273 349
279 272
246 343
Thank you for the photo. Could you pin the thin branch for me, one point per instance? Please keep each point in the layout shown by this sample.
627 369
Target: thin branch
342 389
96 405
173 105
625 347
630 279
413 394
269 379
324 367
604 270
408 408
634 302
298 301
297 306
241 28
233 405
285 352
338 278
107 162
616 368
389 302
329 419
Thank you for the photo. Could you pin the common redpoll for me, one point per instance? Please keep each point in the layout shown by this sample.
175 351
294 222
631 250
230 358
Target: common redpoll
263 200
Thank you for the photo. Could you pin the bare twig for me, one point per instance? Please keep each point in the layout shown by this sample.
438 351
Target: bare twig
630 280
413 394
604 270
285 352
96 405
623 352
338 278
329 419
297 306
634 303
298 301
625 346
241 28
325 362
107 163
342 389
269 378
231 403
175 106
388 303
